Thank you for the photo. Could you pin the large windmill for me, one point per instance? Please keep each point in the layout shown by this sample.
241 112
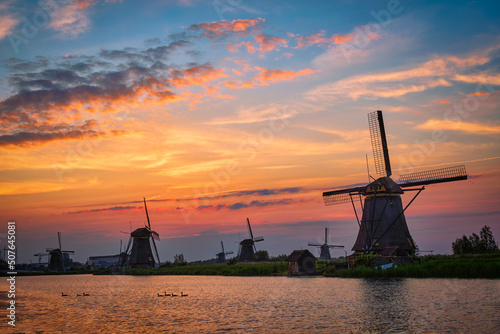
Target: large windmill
56 256
247 246
221 256
325 248
383 224
141 255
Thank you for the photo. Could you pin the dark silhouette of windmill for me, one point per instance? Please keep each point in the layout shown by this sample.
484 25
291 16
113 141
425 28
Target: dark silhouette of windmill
325 248
141 255
56 256
383 227
247 246
221 257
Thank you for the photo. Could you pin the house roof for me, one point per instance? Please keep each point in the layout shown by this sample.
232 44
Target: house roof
297 254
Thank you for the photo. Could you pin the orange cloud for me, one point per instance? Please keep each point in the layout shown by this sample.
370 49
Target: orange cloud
267 76
474 128
234 47
269 43
304 41
341 39
218 29
445 101
478 94
196 75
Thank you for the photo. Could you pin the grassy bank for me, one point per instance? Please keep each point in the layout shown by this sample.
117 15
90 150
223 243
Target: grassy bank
247 269
463 266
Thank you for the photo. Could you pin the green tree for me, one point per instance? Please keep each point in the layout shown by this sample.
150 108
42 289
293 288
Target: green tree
488 241
261 255
476 244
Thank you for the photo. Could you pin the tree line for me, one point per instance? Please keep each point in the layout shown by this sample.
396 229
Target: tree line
483 243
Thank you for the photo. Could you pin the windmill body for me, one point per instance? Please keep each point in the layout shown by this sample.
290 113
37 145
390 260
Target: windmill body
221 256
383 226
56 257
247 246
143 251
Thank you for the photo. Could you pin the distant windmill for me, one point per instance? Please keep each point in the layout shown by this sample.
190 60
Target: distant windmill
56 257
247 246
141 254
325 248
40 255
221 257
383 224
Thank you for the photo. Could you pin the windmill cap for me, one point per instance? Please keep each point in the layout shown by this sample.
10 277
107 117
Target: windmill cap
384 185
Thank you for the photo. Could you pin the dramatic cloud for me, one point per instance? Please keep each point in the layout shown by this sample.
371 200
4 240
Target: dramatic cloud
473 128
266 76
431 74
269 43
226 28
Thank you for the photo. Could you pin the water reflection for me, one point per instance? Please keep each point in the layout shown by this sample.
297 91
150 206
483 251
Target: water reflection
128 304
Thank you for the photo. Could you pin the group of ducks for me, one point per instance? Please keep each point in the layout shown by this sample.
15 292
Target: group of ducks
78 295
171 295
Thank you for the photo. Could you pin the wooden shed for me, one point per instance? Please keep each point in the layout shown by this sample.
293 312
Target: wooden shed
301 261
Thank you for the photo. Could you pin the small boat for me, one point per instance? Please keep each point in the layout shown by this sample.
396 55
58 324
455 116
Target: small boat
173 295
78 295
86 294
167 294
160 295
183 295
63 295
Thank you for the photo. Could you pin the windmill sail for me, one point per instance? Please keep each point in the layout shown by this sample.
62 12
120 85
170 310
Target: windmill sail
342 196
379 143
448 174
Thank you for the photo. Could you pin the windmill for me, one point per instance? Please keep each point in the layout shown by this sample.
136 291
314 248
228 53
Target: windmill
57 256
325 248
247 246
40 255
221 257
141 254
383 224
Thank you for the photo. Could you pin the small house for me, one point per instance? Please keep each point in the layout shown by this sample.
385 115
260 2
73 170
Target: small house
301 262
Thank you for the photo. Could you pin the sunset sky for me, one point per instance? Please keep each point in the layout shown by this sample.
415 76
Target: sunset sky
216 111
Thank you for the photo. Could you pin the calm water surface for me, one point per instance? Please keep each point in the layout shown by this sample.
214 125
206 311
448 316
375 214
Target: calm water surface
129 304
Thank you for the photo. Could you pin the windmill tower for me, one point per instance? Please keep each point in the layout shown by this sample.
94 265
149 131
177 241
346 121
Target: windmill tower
325 248
383 224
56 256
221 257
247 246
141 255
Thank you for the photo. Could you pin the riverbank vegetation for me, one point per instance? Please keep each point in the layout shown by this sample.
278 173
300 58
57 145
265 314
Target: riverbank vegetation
452 266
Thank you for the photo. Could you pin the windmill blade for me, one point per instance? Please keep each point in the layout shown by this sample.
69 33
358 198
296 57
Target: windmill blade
335 246
250 229
326 235
342 196
257 239
147 216
379 143
448 174
156 250
155 235
314 244
71 252
126 251
230 252
60 250
222 245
